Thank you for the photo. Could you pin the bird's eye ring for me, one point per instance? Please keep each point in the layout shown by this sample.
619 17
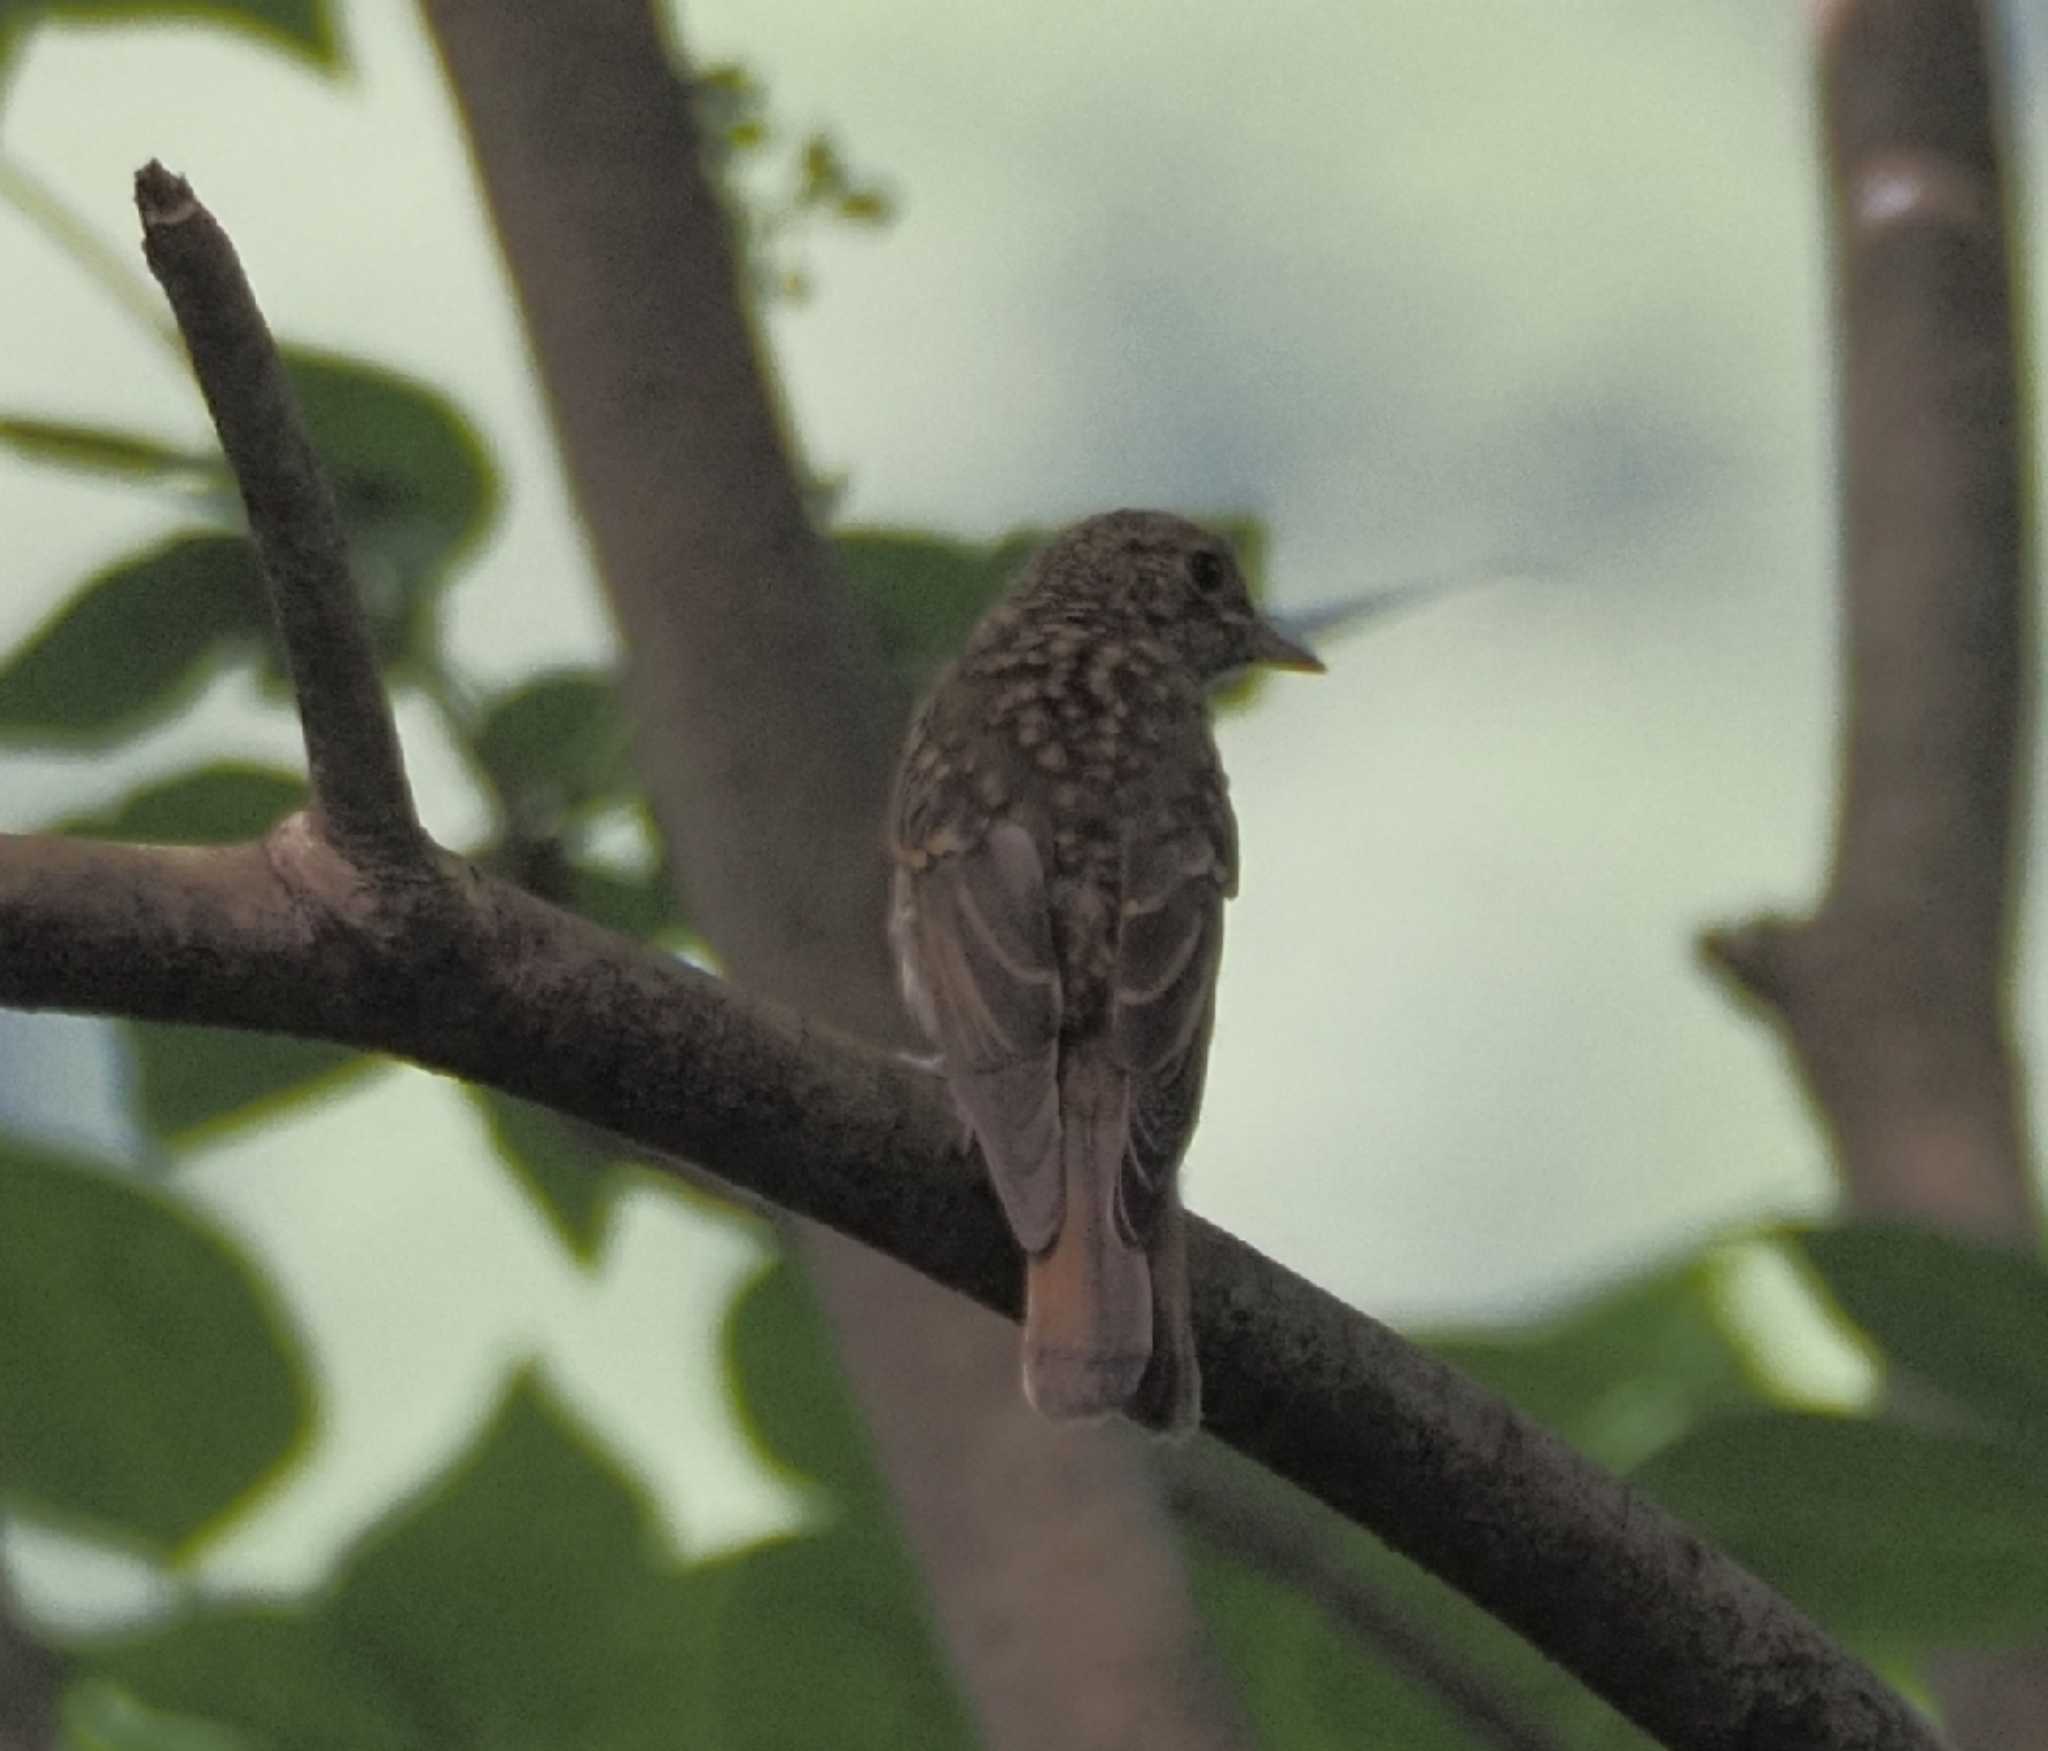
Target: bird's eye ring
1208 571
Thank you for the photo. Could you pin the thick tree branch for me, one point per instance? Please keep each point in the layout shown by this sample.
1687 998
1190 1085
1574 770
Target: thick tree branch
1894 995
766 731
482 981
352 753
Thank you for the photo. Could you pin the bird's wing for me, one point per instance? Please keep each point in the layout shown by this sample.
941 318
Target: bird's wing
1177 872
978 930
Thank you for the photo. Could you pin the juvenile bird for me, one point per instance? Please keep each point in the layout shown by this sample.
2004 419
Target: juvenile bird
1063 845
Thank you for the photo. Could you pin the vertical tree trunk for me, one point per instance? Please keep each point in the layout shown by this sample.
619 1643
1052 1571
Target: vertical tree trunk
766 735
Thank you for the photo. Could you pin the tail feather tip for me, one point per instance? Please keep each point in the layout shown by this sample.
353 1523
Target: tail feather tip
1076 1385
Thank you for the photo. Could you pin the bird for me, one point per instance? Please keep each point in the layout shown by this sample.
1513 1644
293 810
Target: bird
1062 844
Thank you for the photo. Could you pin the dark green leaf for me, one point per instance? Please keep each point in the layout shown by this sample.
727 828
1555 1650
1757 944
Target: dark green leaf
642 906
1968 1319
193 1080
304 28
413 482
556 744
829 1612
529 1600
1622 1375
1890 1535
102 451
1307 1685
525 1602
569 1176
145 1383
268 1674
923 593
134 643
223 804
1326 1649
99 1716
786 1382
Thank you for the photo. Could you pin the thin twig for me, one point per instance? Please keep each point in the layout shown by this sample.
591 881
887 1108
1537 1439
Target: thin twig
352 751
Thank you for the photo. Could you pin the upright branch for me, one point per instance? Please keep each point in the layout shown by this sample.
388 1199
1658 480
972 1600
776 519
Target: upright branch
360 794
1893 995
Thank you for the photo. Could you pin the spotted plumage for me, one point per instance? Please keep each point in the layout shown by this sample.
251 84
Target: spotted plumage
1064 843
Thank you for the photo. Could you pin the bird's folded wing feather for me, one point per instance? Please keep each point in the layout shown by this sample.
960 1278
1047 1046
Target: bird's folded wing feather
1169 945
980 929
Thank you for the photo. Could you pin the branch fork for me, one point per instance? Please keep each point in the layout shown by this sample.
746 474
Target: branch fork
348 924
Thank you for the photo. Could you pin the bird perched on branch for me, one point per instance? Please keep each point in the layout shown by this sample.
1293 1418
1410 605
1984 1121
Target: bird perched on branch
1063 845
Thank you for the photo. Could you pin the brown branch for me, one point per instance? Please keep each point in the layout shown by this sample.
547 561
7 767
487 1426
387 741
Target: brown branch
766 731
358 773
477 979
1893 995
1293 1550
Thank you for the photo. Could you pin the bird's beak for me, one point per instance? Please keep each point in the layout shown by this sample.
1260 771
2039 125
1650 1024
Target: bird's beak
1276 650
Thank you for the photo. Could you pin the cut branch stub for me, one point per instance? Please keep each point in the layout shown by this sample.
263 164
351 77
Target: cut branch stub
360 794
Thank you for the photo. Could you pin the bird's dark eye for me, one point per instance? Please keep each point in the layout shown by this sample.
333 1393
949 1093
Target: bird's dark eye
1208 571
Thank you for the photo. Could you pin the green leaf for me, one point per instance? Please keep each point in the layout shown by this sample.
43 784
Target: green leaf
787 1385
98 1716
1623 1374
194 1081
1971 1320
99 450
267 1675
145 1382
557 744
413 482
303 28
829 1608
1305 1656
1305 1685
849 1592
571 1179
222 804
134 643
524 1602
1895 1537
923 593
640 906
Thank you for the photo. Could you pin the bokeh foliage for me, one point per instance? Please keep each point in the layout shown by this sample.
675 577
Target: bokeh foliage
150 1389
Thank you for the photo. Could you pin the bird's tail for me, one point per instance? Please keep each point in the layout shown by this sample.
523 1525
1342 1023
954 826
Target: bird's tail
1088 1296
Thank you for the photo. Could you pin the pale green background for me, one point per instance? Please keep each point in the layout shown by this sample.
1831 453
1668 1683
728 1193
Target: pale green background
1431 287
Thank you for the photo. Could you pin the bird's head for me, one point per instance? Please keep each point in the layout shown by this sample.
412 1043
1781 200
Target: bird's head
1172 581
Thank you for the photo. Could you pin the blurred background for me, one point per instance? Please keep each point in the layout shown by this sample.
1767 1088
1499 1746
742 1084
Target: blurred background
1526 294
